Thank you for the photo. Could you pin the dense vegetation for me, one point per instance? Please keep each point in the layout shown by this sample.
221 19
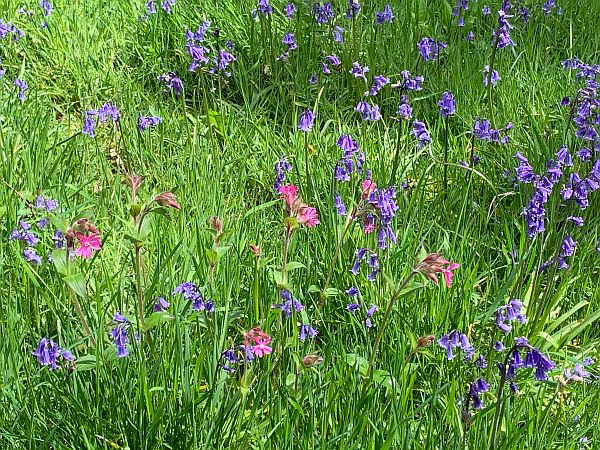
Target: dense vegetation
299 225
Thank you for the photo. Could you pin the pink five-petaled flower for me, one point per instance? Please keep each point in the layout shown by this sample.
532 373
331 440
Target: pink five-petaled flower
308 216
435 263
367 187
258 342
289 193
87 244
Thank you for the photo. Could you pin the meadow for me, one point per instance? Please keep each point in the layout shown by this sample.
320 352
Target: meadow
297 225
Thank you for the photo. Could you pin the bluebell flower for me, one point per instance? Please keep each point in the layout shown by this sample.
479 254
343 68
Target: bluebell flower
456 340
475 389
307 331
353 9
172 82
499 346
485 10
290 303
167 6
369 112
352 307
352 291
147 122
48 352
120 339
306 121
379 81
161 304
23 88
447 104
429 48
338 34
264 7
421 133
31 256
46 6
289 10
493 79
339 205
359 71
385 16
509 312
281 168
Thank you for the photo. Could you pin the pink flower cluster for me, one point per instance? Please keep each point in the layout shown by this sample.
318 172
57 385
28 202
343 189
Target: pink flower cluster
87 244
257 341
303 213
435 263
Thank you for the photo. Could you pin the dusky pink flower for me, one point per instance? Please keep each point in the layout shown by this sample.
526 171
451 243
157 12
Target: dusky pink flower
167 199
289 193
87 244
258 341
433 264
308 216
367 187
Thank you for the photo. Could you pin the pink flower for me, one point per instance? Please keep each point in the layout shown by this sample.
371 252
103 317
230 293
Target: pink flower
448 273
308 216
261 349
167 199
260 340
367 187
289 193
87 244
433 264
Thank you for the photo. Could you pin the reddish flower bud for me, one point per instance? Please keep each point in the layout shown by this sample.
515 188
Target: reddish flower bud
134 182
255 249
167 199
425 341
215 223
312 360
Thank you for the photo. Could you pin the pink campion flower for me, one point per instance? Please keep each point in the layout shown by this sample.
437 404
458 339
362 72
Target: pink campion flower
261 349
289 193
87 244
167 199
367 187
308 216
258 342
433 264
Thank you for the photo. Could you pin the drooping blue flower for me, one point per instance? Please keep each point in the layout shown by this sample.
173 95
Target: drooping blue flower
31 256
421 133
264 7
456 340
172 82
281 168
289 303
385 16
120 339
429 48
338 34
404 109
352 291
46 6
339 205
493 79
147 122
369 112
23 88
306 121
379 81
359 71
447 104
352 307
307 331
289 10
167 6
509 312
161 304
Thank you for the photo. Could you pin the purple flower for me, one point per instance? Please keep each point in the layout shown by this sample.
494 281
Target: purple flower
353 9
408 83
306 121
290 41
499 346
495 76
307 331
290 303
161 304
486 10
369 112
167 5
150 8
46 6
119 318
324 12
358 71
119 336
456 339
339 205
172 82
352 291
289 10
31 256
475 389
429 48
447 104
264 7
501 34
379 81
421 133
372 310
221 62
23 87
147 122
47 353
385 16
509 312
338 34
352 307
281 168
568 246
404 109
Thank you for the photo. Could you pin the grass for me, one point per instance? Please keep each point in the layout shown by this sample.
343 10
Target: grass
215 149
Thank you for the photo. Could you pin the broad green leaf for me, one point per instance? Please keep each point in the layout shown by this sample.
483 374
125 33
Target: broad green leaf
77 284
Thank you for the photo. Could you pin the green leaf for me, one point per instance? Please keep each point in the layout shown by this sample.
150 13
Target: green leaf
77 284
59 259
87 362
157 318
294 265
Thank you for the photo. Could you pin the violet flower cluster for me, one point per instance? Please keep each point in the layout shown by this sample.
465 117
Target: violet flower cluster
172 82
48 353
106 112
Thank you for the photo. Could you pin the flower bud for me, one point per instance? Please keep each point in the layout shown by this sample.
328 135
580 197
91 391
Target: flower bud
312 360
425 341
167 199
255 249
215 223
